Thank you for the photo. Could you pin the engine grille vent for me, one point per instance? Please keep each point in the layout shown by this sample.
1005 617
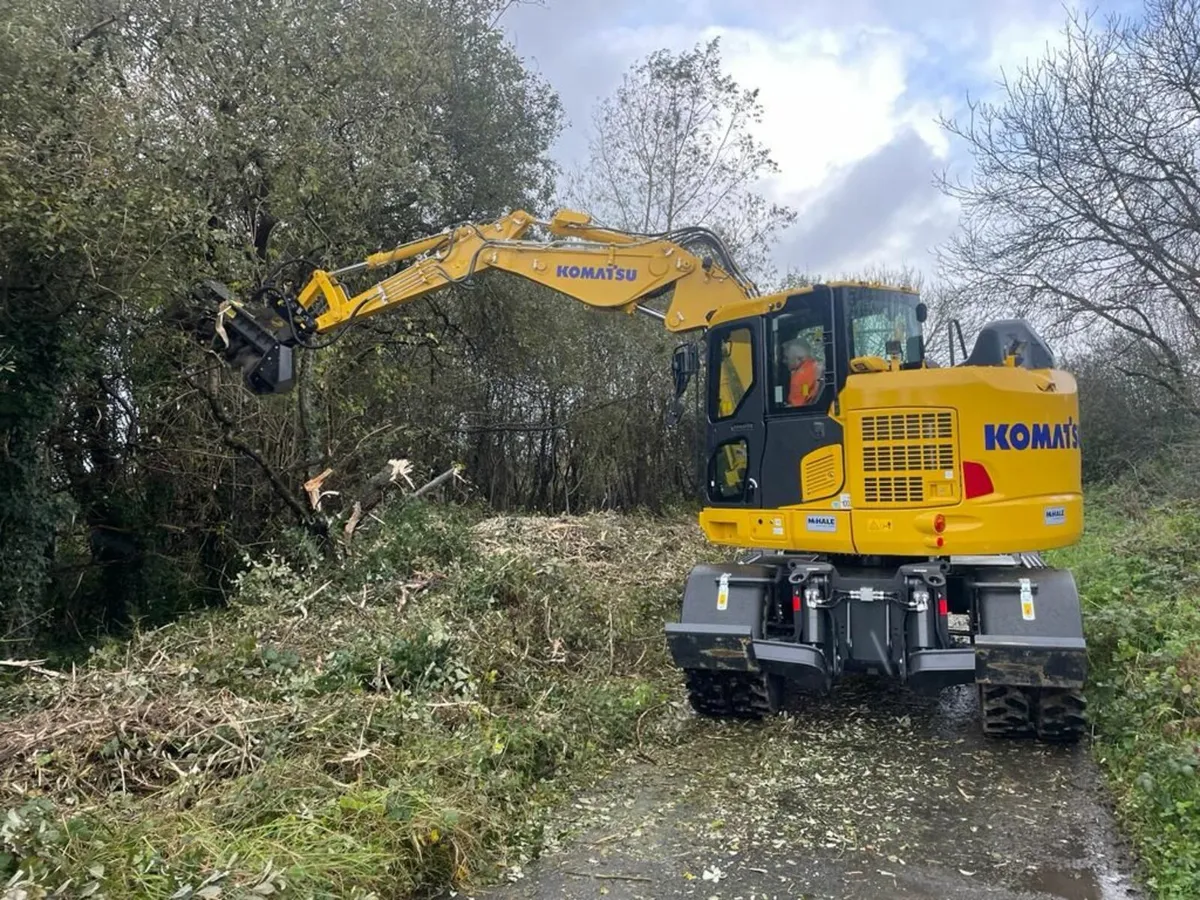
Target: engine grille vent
908 426
894 490
821 477
905 458
908 458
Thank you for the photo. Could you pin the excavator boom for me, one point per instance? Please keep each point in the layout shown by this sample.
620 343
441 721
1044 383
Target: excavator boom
603 268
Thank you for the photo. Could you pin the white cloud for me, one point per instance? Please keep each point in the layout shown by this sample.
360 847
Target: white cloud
829 98
1016 45
847 87
828 102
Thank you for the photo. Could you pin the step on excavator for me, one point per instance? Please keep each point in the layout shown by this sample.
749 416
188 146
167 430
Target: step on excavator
889 512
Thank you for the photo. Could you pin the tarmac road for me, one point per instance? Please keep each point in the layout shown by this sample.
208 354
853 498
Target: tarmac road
872 793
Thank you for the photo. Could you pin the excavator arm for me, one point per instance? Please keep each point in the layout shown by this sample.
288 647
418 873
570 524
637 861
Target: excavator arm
600 267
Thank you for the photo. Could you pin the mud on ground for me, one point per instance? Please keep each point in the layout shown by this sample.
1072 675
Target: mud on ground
872 793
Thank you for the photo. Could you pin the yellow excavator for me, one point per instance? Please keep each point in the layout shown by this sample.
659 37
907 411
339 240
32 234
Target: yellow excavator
890 512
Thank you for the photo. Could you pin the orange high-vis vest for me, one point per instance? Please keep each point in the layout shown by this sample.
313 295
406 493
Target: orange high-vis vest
803 387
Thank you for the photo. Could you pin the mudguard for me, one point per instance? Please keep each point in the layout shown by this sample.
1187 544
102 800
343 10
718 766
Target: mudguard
721 615
1030 629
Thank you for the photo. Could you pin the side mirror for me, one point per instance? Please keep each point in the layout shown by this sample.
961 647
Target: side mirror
922 313
685 362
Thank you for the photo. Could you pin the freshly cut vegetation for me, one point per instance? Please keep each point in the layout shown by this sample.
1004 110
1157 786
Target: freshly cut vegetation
397 724
403 722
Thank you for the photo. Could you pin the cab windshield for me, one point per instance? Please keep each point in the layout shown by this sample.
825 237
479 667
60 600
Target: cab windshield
884 323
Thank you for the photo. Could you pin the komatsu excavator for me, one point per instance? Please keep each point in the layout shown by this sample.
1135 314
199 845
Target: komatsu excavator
890 512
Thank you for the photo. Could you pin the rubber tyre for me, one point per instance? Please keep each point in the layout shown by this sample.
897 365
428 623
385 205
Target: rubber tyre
1006 711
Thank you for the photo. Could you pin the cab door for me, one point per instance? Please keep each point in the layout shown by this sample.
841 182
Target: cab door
798 423
735 414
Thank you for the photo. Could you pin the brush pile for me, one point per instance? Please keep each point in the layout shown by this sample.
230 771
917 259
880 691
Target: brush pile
395 724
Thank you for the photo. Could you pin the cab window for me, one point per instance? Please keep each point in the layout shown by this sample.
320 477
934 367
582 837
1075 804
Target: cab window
801 347
735 371
884 323
727 471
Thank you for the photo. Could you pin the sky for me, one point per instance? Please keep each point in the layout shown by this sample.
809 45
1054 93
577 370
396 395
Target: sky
851 93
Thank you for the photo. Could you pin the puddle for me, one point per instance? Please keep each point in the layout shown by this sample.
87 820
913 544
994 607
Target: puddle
1070 884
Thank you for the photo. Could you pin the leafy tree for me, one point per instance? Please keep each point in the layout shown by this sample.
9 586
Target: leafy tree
86 223
148 145
1131 425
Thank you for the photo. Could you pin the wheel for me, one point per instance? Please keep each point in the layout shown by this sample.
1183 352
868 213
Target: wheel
1061 715
1006 711
733 695
1055 715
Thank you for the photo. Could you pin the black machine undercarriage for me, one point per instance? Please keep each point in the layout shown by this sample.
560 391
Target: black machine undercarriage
1007 624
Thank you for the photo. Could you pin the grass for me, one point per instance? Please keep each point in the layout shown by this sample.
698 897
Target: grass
389 727
404 722
1138 571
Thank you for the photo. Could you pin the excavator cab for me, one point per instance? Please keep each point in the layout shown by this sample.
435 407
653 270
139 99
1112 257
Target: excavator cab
766 417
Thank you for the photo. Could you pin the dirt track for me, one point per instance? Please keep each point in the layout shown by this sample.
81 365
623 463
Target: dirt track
874 793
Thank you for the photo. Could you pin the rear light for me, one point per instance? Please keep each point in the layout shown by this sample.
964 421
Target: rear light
796 602
939 523
943 606
976 480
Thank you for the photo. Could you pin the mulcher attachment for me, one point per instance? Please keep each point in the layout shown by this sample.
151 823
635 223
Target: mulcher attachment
216 320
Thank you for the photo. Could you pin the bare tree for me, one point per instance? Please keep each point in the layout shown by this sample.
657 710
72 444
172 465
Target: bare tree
1083 210
673 147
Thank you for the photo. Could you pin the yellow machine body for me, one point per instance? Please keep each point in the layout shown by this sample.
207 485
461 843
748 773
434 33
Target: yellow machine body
910 437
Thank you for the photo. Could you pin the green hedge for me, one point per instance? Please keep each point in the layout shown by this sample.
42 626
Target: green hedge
1138 570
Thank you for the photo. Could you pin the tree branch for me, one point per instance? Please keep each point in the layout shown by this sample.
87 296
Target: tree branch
233 442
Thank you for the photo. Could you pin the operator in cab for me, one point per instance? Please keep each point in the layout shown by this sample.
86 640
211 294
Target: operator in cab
805 373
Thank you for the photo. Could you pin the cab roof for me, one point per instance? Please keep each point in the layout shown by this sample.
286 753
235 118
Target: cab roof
757 306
